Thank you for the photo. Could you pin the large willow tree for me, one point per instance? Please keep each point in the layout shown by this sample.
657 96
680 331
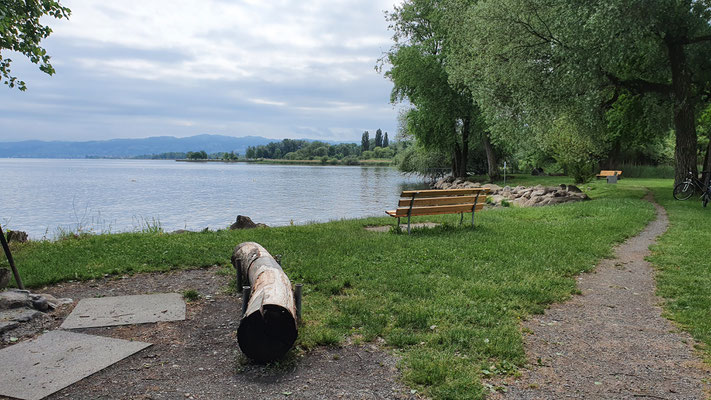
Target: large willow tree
535 59
444 116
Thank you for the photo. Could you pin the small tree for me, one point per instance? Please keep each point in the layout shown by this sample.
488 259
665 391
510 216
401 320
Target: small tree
365 141
386 142
378 138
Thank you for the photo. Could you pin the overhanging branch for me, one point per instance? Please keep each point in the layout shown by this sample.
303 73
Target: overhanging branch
639 86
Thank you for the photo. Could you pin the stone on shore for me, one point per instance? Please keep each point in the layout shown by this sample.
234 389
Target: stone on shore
244 222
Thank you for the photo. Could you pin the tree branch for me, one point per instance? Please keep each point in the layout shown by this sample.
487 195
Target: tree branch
639 86
698 39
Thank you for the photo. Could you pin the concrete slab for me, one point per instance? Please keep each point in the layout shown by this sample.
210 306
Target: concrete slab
126 310
37 368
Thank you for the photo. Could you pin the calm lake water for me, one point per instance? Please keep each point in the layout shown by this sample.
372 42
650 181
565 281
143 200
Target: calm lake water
41 195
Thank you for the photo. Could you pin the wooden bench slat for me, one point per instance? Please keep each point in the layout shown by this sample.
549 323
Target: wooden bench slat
439 193
435 210
440 201
606 173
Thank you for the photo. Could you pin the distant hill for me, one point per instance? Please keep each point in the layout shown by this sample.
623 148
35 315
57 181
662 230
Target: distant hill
125 148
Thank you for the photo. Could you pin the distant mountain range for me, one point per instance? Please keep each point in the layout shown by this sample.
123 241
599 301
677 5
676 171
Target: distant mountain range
126 148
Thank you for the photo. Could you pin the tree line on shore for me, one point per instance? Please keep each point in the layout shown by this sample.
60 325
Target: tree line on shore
561 84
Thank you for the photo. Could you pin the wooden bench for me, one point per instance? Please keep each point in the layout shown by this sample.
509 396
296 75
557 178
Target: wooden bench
605 174
434 202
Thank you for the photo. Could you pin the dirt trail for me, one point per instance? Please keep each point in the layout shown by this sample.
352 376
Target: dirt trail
199 358
612 341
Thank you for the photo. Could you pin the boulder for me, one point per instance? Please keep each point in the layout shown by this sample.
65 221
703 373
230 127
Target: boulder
244 222
15 298
17 236
492 188
574 189
496 199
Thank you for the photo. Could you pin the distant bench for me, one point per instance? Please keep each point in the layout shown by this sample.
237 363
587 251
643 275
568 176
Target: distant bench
605 174
434 202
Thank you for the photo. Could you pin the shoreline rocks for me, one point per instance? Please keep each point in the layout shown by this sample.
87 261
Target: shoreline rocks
17 236
521 196
244 222
18 306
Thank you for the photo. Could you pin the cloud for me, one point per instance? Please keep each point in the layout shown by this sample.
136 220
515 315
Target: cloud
144 68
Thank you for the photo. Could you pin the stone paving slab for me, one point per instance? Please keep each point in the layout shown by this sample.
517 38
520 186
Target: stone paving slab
126 310
35 369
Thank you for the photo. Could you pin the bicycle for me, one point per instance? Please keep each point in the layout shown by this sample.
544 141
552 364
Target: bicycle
706 196
685 189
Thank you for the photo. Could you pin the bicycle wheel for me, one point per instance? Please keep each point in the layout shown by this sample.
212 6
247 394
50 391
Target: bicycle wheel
683 191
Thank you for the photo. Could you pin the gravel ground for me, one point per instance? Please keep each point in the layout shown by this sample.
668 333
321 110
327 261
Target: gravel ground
199 358
612 341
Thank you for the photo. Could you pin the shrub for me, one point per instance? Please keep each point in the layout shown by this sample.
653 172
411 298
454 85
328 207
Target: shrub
573 149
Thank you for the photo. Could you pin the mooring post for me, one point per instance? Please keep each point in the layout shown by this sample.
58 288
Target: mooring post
297 299
246 292
15 272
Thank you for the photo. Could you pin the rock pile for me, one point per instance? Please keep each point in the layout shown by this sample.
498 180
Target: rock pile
520 195
17 306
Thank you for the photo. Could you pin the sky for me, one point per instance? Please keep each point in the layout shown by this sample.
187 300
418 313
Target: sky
136 68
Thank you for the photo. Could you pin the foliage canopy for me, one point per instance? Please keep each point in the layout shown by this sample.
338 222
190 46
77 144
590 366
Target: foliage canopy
22 31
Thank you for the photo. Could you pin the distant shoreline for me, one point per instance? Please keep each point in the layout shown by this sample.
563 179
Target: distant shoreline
364 163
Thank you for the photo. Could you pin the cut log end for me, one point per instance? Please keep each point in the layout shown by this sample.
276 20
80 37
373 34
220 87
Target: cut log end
267 336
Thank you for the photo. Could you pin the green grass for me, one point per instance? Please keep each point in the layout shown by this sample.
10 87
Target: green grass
448 300
683 261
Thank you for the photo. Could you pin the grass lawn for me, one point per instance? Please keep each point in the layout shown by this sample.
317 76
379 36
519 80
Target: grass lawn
683 260
447 299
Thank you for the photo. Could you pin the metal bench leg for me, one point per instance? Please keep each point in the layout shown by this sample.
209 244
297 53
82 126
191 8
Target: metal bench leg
461 218
476 200
408 224
398 223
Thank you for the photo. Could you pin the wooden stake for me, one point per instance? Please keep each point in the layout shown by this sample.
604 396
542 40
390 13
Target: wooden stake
6 247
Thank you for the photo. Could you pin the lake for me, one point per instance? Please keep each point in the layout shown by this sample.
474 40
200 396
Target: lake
40 196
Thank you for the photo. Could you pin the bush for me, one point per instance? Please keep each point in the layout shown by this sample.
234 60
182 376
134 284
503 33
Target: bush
572 149
367 155
351 160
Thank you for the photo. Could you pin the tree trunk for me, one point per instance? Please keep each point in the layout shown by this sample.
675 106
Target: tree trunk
707 165
455 161
464 157
684 116
491 162
268 327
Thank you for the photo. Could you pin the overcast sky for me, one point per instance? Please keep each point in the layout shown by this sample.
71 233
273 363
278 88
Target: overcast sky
137 68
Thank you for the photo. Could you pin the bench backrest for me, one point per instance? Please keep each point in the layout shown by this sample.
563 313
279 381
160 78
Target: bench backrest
448 201
610 173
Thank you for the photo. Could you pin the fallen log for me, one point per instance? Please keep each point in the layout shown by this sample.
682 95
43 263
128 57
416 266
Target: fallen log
268 328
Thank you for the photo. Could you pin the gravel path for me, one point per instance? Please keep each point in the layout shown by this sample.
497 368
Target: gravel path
612 341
